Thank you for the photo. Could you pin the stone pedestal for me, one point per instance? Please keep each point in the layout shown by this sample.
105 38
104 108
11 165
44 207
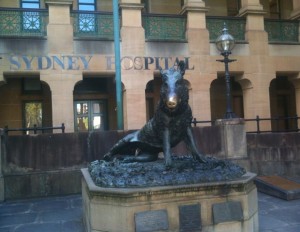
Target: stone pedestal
233 137
215 206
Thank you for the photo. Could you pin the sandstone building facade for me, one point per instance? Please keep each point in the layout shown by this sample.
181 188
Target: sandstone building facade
58 61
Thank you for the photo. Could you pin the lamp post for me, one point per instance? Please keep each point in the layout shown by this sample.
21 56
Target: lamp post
225 44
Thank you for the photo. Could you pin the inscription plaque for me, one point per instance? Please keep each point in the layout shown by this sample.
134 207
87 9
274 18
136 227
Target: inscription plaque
190 218
227 211
149 221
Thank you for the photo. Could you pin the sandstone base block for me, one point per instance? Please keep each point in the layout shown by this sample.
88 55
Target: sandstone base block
214 206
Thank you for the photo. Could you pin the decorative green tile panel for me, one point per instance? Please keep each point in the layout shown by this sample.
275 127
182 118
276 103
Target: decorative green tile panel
282 30
165 27
22 23
93 25
236 27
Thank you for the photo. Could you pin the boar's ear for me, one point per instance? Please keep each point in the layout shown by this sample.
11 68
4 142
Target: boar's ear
162 73
160 69
181 67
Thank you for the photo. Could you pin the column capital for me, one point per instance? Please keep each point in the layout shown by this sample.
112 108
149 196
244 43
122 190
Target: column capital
295 14
59 2
131 6
252 9
195 6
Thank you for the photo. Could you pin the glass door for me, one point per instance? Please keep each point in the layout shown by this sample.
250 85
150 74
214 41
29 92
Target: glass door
90 115
33 115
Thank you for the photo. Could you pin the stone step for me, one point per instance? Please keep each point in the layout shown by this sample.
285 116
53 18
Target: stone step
279 186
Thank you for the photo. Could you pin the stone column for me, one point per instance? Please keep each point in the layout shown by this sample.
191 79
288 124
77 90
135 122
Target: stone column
132 32
133 45
200 94
60 41
135 108
256 97
255 33
296 10
199 46
233 136
247 88
197 34
59 29
2 195
62 98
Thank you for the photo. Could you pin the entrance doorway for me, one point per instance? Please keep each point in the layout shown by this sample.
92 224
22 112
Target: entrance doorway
282 104
218 98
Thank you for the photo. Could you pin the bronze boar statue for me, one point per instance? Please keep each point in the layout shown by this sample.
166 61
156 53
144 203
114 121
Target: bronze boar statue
170 125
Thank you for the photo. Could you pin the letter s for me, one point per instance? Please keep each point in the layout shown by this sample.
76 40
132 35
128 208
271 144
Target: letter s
14 63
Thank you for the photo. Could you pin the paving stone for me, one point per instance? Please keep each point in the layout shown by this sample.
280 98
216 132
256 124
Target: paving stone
39 227
269 222
49 205
60 215
73 226
290 228
13 208
7 229
17 219
76 202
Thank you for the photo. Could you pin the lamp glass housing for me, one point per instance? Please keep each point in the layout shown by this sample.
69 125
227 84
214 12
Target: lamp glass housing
225 42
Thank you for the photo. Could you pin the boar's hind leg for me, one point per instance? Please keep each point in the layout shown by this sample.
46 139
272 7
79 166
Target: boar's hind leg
191 146
123 146
142 157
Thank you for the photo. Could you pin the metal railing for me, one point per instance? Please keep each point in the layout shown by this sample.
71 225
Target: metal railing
282 30
91 24
278 124
160 27
23 22
35 129
236 27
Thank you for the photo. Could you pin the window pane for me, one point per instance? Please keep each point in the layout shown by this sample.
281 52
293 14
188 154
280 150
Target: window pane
82 108
96 108
97 123
33 114
78 108
87 1
30 5
82 123
87 7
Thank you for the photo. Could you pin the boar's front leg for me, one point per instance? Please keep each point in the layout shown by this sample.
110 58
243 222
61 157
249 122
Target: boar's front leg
167 148
191 146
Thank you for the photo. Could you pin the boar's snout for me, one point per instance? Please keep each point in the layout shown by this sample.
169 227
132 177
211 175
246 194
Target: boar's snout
172 102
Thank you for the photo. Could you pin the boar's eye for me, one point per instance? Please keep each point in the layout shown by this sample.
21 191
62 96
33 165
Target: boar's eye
179 82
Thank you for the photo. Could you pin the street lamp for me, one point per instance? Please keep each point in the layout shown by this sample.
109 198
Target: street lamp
225 44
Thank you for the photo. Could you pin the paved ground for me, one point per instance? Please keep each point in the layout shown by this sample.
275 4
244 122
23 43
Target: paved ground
64 214
276 215
53 214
